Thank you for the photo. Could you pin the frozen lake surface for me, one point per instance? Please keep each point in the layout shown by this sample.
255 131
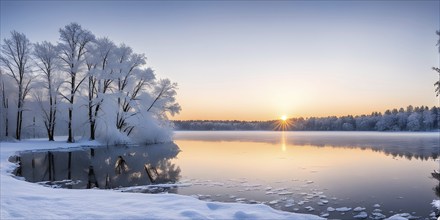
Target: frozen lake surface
333 174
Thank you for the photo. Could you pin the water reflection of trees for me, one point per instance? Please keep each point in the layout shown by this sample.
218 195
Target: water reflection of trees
436 175
102 167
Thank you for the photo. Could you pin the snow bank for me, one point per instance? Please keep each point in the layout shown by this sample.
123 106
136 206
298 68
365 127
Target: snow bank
20 199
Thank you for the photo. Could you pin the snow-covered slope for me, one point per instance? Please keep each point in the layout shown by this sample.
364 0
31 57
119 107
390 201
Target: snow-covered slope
20 199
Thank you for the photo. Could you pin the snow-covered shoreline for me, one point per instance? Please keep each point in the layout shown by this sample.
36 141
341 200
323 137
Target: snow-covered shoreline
21 199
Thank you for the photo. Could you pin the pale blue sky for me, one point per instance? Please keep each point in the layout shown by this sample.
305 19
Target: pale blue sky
259 60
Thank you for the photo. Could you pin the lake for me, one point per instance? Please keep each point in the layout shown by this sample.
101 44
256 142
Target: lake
307 172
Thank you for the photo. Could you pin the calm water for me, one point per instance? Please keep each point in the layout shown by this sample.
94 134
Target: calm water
293 171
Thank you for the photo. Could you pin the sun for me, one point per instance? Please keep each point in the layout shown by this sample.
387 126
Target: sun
283 124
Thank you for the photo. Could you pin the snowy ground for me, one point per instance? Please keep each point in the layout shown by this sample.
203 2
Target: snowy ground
20 199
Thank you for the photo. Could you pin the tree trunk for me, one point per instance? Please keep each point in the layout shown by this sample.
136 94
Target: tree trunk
91 122
17 128
92 130
70 138
7 119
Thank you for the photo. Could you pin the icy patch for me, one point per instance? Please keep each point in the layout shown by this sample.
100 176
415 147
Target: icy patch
407 216
325 215
361 215
358 209
396 217
376 215
343 209
331 209
309 208
288 205
376 206
283 193
273 202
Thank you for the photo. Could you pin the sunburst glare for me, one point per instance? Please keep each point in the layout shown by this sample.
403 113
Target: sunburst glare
283 124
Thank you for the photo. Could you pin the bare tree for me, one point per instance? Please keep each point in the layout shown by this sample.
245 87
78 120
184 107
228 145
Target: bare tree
46 56
72 50
15 56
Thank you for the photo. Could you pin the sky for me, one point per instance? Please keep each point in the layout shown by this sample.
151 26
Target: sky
259 60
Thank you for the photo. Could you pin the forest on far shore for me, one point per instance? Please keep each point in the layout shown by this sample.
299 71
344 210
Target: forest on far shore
412 118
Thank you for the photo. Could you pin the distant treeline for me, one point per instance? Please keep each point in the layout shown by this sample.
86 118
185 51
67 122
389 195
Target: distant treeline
412 118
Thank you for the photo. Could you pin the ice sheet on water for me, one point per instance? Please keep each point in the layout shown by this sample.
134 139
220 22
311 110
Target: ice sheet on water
273 202
376 206
324 201
240 199
330 209
343 209
288 205
361 215
358 209
377 215
325 215
309 208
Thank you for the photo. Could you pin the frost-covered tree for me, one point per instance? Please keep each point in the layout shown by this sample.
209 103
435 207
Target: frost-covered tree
101 62
15 58
46 57
132 99
72 46
427 119
121 103
164 94
131 82
414 122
